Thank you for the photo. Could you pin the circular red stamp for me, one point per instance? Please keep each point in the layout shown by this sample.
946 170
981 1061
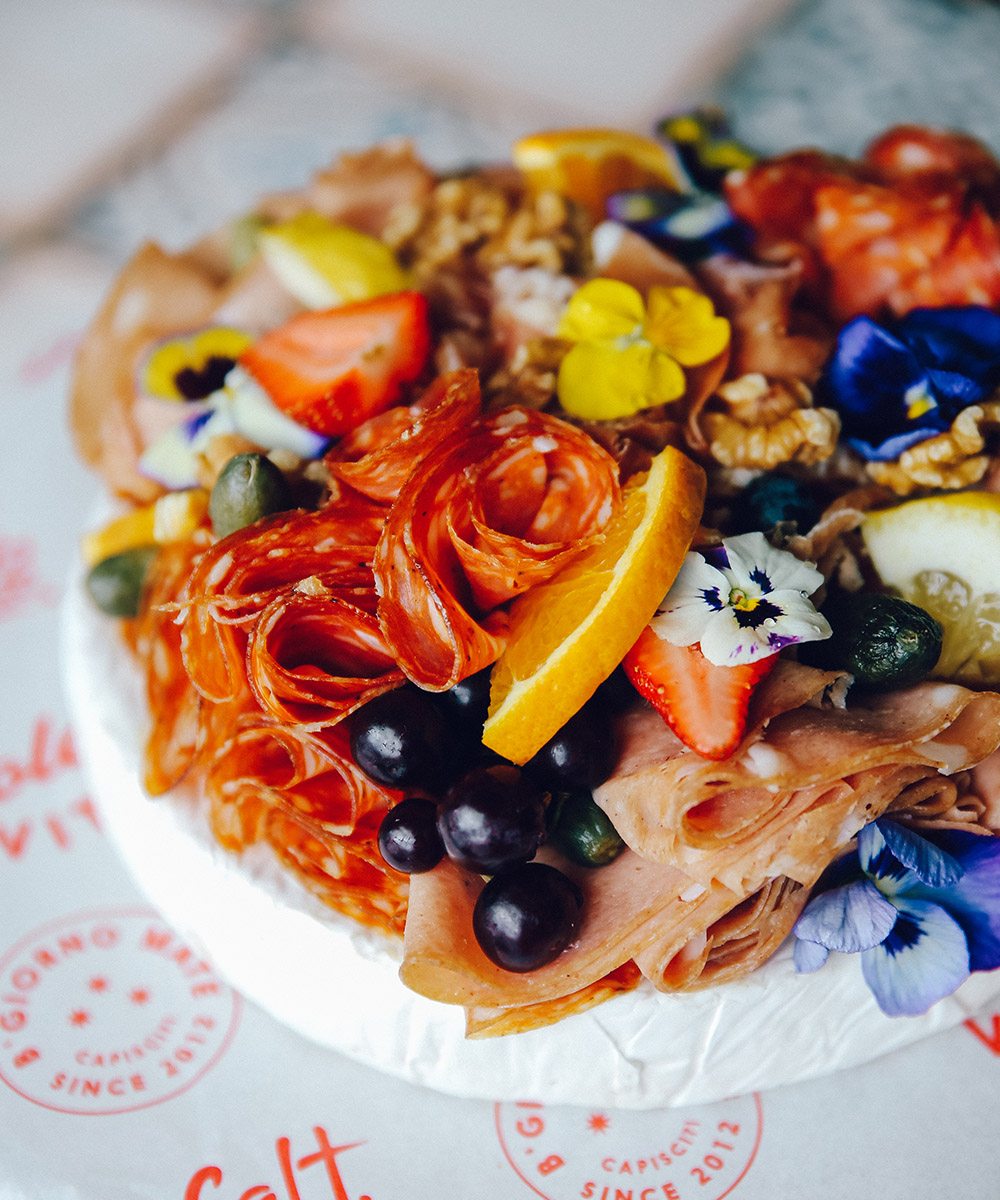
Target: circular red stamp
565 1153
108 1011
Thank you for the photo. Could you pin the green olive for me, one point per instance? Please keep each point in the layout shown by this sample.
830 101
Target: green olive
115 584
249 487
583 831
884 641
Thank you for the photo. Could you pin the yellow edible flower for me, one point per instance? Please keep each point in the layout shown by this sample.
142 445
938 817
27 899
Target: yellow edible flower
192 365
628 354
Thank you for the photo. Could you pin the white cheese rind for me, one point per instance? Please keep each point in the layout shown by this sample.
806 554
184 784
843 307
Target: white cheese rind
336 983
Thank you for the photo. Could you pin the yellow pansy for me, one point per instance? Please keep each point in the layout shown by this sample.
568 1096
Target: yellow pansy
191 366
628 354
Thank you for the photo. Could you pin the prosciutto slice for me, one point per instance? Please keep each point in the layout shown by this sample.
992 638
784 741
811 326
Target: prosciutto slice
495 508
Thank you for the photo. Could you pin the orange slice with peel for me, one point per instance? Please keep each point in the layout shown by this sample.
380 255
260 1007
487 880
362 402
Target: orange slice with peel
567 635
589 165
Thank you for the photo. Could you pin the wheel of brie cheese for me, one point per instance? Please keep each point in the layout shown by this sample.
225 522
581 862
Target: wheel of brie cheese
591 417
337 984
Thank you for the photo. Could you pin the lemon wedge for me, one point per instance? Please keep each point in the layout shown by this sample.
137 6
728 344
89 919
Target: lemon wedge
943 553
171 518
324 265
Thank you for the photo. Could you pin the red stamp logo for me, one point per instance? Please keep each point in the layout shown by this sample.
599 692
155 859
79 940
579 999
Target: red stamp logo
990 1037
19 584
662 1154
109 1011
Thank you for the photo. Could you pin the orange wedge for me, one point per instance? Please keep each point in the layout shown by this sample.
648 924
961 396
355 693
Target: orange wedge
569 634
589 165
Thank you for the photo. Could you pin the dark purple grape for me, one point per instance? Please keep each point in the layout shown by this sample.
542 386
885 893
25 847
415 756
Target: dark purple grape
467 703
616 693
526 916
408 837
491 818
580 756
400 739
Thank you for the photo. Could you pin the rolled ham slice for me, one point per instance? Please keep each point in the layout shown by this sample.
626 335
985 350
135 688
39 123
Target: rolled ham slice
722 854
797 788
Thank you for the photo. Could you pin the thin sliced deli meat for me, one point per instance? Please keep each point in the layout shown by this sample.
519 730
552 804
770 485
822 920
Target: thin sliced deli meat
494 509
379 456
797 788
622 910
316 658
633 910
732 945
481 1021
237 577
300 790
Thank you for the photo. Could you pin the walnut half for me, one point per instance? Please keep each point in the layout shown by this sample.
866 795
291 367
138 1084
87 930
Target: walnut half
768 422
952 459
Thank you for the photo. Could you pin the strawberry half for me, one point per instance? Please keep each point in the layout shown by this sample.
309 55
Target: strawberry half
705 705
333 369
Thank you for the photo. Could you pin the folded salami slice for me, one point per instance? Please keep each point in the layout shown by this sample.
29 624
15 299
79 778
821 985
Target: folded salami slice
500 505
235 580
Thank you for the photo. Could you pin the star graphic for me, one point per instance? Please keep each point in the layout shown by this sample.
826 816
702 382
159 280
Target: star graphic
139 996
98 984
79 1017
598 1123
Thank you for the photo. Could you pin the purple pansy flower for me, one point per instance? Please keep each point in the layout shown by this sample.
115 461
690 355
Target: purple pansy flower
922 911
896 387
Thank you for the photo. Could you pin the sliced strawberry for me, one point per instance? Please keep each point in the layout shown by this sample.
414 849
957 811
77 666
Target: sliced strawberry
705 705
333 369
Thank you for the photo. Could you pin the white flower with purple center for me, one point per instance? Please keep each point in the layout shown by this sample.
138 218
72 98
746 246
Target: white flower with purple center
742 601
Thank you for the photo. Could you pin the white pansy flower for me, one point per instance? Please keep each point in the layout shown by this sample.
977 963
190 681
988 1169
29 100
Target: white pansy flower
742 601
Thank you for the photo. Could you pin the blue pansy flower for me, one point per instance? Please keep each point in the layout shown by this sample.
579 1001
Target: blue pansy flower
689 225
695 221
896 387
923 912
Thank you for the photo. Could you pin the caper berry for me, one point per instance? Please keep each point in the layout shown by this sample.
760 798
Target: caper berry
583 831
248 488
116 583
884 641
